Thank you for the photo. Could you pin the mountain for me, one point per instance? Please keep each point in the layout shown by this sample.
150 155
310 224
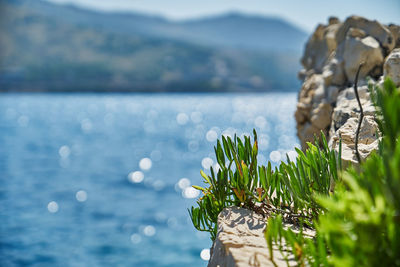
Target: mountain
49 47
244 31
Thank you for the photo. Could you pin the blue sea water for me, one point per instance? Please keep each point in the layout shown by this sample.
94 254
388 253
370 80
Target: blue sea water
103 180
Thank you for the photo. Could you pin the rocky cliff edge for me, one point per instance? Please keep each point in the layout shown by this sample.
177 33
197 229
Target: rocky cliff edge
326 102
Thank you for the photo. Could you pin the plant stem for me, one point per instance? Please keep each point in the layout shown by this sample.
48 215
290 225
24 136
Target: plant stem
361 112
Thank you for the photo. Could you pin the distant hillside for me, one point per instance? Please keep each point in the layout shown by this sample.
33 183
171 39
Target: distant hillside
243 31
48 47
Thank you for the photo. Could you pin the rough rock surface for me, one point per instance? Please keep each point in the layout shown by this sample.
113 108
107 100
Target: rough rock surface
331 58
240 241
395 30
358 50
345 121
392 66
371 27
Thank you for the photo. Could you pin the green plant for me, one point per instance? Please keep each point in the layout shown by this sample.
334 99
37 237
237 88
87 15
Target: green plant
232 185
360 225
289 189
356 221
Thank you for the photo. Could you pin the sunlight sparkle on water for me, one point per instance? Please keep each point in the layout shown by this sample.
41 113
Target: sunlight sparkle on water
149 230
81 196
190 192
145 164
86 125
52 207
64 151
275 156
211 136
182 118
116 205
205 254
207 163
184 183
136 177
136 238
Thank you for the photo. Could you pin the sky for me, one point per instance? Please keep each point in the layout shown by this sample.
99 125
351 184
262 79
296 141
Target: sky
304 13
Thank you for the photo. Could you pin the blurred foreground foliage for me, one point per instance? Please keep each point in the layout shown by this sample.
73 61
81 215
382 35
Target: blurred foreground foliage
355 213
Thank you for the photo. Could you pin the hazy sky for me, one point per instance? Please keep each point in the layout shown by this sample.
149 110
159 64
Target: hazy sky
306 14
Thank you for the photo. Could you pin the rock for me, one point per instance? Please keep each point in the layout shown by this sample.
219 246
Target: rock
305 74
333 72
318 94
311 115
391 67
332 57
371 28
365 50
395 30
309 87
301 113
356 33
321 116
314 109
347 105
240 240
333 20
345 120
319 47
330 37
367 142
306 133
332 93
316 50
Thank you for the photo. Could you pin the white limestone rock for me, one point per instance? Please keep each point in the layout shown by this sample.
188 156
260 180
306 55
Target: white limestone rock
311 115
367 143
333 72
240 241
321 116
319 47
327 101
365 50
391 68
371 28
345 121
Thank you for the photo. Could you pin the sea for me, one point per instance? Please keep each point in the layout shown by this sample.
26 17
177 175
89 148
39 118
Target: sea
105 179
